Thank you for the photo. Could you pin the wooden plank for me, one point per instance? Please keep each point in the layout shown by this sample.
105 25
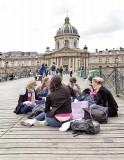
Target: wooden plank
60 157
63 145
21 142
70 151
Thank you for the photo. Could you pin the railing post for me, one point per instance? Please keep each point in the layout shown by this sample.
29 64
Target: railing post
116 81
100 71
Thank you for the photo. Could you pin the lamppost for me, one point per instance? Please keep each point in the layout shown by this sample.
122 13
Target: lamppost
85 51
116 61
6 64
78 63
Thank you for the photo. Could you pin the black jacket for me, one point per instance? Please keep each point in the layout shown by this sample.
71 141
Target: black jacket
58 102
23 98
106 99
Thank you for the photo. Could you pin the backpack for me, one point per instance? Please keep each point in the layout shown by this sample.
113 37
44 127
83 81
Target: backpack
36 111
85 126
53 67
98 114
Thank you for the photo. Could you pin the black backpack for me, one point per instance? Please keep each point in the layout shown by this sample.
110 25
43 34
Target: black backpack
36 111
53 67
85 126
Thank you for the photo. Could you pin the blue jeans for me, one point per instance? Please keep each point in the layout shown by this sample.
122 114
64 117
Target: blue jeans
50 121
41 116
27 108
53 122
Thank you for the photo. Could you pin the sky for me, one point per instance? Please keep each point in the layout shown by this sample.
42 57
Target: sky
30 25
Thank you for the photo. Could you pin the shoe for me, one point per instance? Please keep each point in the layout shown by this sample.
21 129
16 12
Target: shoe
24 123
65 126
40 123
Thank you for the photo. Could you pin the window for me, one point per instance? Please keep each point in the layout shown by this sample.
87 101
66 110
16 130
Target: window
57 44
75 43
107 59
66 42
100 59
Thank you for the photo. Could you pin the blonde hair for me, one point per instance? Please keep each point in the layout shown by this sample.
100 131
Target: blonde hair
98 80
30 83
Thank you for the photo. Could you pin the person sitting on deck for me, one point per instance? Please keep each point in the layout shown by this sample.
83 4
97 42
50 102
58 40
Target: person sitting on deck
57 107
27 98
104 97
42 90
75 87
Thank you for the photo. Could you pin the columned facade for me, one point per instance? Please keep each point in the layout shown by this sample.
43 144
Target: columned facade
66 50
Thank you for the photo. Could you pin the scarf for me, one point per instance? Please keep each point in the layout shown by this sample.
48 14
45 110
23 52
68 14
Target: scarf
31 95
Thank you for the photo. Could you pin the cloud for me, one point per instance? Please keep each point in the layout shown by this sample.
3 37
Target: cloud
113 23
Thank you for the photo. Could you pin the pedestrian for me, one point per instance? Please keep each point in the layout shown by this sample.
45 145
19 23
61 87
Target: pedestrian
71 71
53 68
61 71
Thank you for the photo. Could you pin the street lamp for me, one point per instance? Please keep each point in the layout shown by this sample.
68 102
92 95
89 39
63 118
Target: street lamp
6 64
116 61
85 51
78 63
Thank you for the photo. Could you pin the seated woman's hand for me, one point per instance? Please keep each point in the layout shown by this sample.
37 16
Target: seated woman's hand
28 103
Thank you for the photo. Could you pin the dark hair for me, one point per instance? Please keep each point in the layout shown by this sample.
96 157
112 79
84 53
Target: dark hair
90 78
56 83
73 80
86 91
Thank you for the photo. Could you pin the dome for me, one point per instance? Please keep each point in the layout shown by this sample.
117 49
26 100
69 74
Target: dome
67 28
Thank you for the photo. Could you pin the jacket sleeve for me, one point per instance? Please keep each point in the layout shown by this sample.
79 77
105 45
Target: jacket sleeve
21 100
36 97
103 98
47 104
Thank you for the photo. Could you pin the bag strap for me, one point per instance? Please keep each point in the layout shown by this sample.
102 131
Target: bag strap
90 112
105 114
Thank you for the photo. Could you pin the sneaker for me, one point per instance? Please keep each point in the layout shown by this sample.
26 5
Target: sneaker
40 123
24 123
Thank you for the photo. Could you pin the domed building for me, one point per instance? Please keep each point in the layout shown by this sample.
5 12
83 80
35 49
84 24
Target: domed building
66 52
67 36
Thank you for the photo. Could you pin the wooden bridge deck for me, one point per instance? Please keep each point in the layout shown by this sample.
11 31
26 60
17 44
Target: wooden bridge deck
45 143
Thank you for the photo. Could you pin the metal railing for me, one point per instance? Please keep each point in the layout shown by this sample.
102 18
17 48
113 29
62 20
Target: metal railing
114 78
17 75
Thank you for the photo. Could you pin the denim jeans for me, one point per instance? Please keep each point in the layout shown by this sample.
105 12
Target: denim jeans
41 116
50 121
27 108
53 122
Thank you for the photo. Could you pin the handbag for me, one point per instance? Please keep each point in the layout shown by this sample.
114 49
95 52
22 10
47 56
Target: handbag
85 126
98 114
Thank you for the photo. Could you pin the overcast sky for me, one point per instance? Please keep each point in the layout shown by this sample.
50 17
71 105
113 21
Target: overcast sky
30 25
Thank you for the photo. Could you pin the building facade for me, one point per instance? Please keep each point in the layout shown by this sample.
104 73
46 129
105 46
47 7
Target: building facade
66 53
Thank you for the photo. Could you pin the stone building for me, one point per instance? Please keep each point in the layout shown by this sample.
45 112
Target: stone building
66 53
16 61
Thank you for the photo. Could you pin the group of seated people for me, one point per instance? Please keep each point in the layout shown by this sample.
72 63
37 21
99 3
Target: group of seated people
58 98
